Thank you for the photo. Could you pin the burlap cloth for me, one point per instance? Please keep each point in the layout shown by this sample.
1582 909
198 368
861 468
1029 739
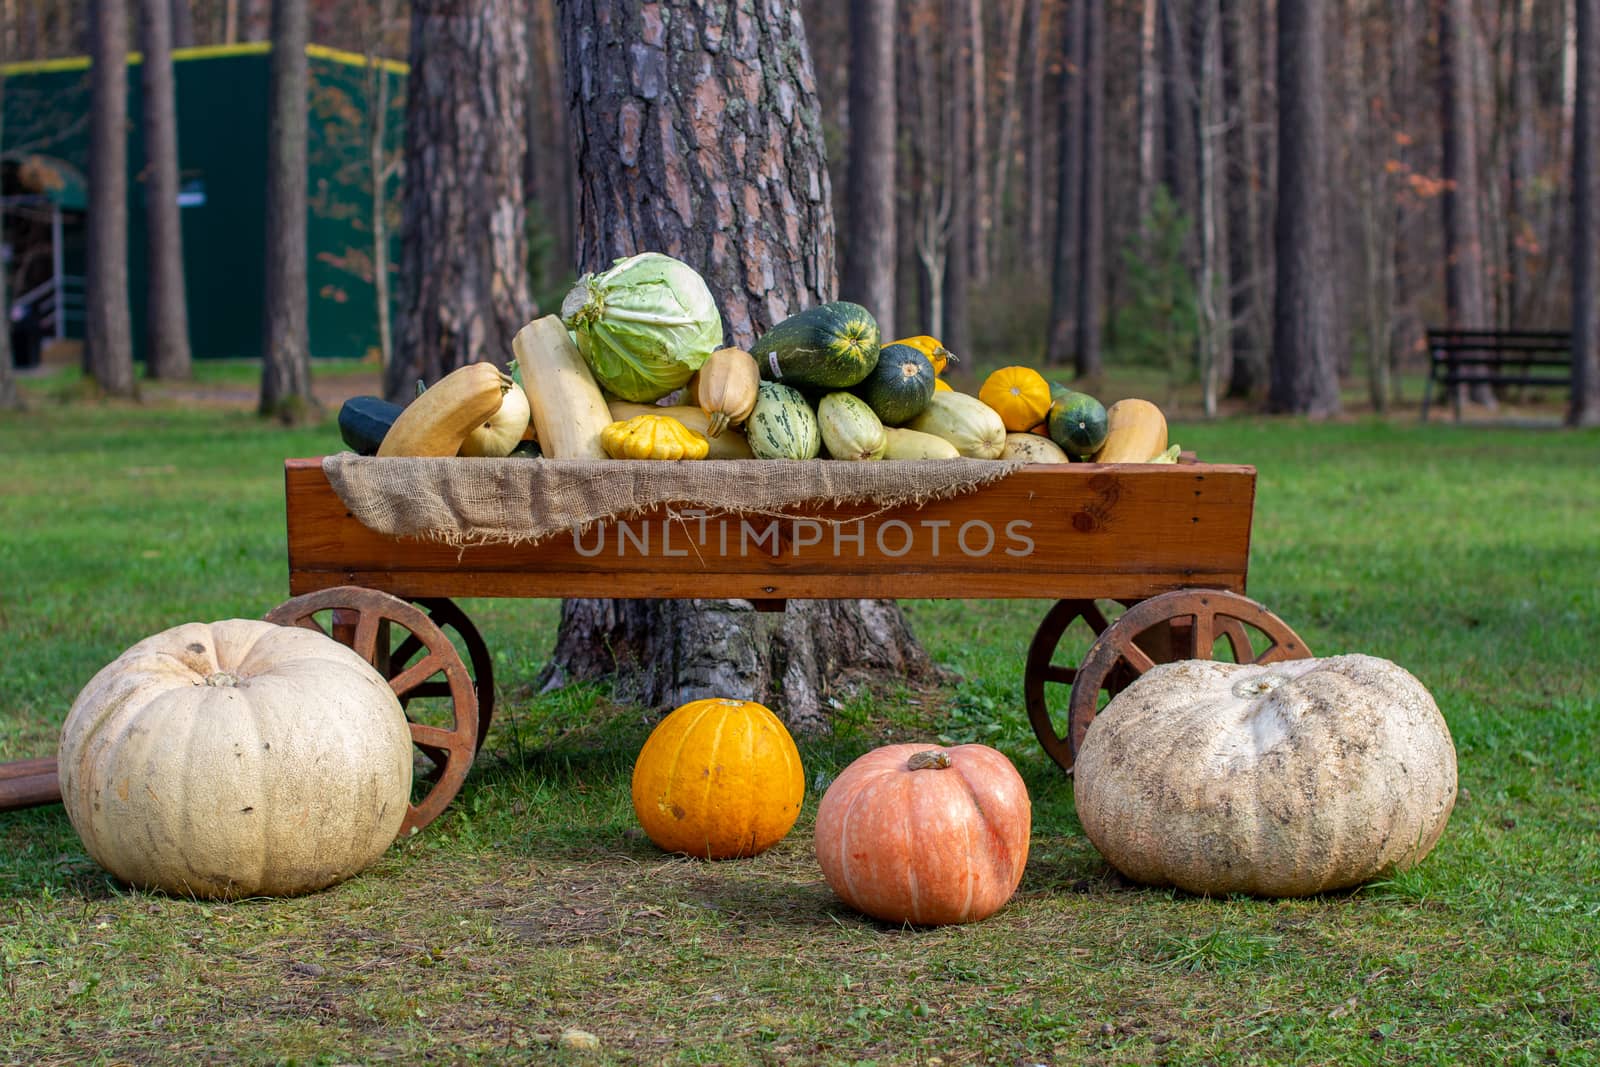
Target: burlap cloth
462 501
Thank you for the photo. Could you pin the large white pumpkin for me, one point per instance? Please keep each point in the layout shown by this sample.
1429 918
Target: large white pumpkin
236 758
1285 779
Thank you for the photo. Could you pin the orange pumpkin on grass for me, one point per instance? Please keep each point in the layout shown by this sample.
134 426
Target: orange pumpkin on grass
718 779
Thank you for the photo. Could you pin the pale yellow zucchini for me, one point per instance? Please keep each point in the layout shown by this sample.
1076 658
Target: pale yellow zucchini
569 411
914 444
440 419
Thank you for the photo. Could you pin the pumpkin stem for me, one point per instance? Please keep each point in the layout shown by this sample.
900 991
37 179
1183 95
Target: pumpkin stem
934 758
222 679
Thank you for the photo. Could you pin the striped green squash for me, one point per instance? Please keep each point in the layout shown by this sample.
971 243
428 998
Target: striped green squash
782 425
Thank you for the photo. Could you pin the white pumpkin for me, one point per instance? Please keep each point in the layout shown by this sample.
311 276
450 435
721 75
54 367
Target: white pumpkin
1284 779
236 758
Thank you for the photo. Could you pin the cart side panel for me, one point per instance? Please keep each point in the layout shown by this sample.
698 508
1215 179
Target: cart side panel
1126 531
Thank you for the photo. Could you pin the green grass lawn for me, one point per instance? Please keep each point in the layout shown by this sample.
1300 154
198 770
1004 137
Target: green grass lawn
1469 555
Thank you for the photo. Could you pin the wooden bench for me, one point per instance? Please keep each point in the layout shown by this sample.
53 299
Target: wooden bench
1460 359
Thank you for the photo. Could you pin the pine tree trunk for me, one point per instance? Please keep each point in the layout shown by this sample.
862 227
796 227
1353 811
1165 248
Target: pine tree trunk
981 218
108 327
869 251
1466 306
1149 105
1000 190
1216 339
1063 332
689 147
1251 312
957 329
167 308
1585 406
1033 139
182 25
463 260
285 358
550 175
1304 363
10 396
1522 231
1088 321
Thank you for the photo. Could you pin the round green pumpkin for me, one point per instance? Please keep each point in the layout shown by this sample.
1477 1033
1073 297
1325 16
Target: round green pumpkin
1077 422
900 386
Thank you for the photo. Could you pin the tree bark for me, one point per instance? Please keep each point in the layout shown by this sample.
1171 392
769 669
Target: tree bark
166 306
1149 105
1033 139
956 332
550 174
1585 406
108 328
1304 363
698 135
285 360
1244 191
1214 286
665 132
463 260
10 395
1089 320
982 217
182 24
381 166
1063 331
869 245
1522 231
1465 303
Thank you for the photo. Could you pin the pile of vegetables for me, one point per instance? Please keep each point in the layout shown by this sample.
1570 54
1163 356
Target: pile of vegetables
634 368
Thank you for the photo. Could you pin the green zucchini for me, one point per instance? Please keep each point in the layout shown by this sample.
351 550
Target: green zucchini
363 422
833 345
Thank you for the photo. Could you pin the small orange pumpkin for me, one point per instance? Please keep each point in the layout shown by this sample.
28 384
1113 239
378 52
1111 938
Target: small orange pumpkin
925 835
1021 396
718 779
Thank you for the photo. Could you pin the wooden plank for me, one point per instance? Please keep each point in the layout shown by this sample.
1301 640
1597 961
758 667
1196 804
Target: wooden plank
28 783
1122 530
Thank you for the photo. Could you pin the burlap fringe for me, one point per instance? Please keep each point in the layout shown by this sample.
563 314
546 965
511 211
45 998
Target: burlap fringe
466 502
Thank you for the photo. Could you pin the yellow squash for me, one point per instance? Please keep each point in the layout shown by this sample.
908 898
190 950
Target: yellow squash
730 444
652 437
1136 432
1019 394
725 387
438 421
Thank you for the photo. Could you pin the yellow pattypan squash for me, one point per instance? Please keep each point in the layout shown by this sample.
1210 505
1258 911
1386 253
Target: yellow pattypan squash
1019 394
653 437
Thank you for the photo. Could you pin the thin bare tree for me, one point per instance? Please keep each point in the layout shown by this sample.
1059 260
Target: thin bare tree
868 269
166 350
108 332
286 392
1585 406
1304 368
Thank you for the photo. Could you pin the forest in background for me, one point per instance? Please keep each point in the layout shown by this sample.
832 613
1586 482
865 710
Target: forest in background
1448 153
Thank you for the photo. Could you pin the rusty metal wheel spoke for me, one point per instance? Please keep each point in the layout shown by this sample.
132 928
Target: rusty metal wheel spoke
1183 624
1041 671
364 619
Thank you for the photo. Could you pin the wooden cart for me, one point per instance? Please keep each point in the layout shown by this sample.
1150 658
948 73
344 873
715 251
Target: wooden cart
1168 542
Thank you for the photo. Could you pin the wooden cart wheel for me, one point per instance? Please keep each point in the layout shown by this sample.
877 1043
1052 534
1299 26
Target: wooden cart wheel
1041 671
363 619
1183 624
447 616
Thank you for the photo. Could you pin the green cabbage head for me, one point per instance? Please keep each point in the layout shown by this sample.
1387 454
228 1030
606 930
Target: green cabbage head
643 326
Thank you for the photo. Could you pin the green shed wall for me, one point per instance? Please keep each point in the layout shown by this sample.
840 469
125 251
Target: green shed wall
222 154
